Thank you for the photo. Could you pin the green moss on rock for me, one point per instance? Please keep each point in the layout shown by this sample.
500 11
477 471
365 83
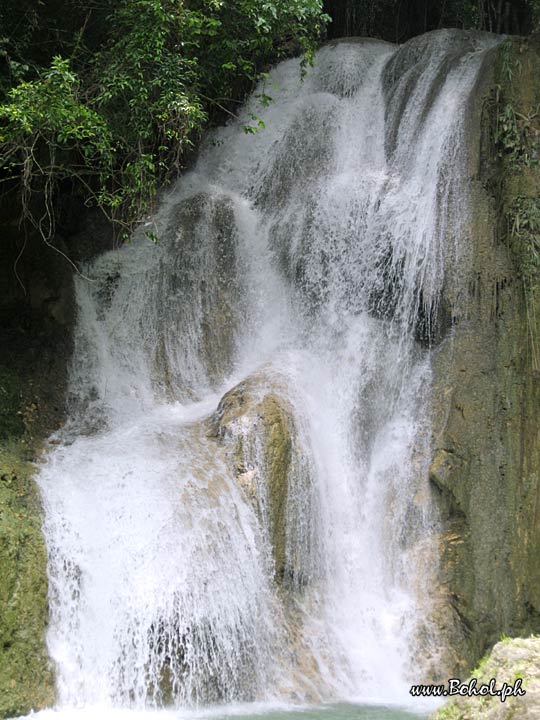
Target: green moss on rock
26 676
510 660
485 472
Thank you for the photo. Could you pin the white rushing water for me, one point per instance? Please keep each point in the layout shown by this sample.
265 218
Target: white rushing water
309 257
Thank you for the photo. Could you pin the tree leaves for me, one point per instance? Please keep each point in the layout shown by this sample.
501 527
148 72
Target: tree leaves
122 116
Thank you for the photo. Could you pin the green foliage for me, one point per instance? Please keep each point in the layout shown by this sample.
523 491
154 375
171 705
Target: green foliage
148 91
516 134
238 36
523 220
534 8
117 118
479 669
47 132
449 712
509 61
507 139
524 225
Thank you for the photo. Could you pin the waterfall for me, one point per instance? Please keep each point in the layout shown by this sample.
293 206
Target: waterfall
285 318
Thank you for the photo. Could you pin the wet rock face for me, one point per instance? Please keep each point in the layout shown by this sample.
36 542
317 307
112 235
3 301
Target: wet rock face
256 426
32 376
485 470
255 422
34 350
405 69
204 246
514 662
36 317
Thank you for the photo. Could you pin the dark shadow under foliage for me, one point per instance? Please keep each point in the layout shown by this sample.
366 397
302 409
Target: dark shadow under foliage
399 20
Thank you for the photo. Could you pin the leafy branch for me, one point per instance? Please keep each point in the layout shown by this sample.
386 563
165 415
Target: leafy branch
115 120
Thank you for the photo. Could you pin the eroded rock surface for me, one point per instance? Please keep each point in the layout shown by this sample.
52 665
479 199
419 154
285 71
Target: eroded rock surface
485 470
256 423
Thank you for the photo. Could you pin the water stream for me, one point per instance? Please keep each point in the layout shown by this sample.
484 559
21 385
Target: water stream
307 261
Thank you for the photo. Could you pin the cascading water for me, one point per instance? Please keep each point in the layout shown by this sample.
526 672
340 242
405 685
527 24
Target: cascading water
301 266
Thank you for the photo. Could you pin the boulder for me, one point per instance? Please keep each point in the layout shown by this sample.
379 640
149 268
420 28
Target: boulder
256 423
515 662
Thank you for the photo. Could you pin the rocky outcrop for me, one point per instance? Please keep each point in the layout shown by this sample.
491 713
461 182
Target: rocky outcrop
35 348
26 673
267 451
36 315
199 288
485 471
513 665
255 421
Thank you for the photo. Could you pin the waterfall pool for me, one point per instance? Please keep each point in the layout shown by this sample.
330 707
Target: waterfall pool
244 711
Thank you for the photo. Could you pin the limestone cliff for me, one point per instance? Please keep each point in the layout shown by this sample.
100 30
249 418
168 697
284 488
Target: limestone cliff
486 455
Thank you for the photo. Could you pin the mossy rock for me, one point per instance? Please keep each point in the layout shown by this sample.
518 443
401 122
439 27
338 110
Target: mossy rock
256 423
26 675
510 661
